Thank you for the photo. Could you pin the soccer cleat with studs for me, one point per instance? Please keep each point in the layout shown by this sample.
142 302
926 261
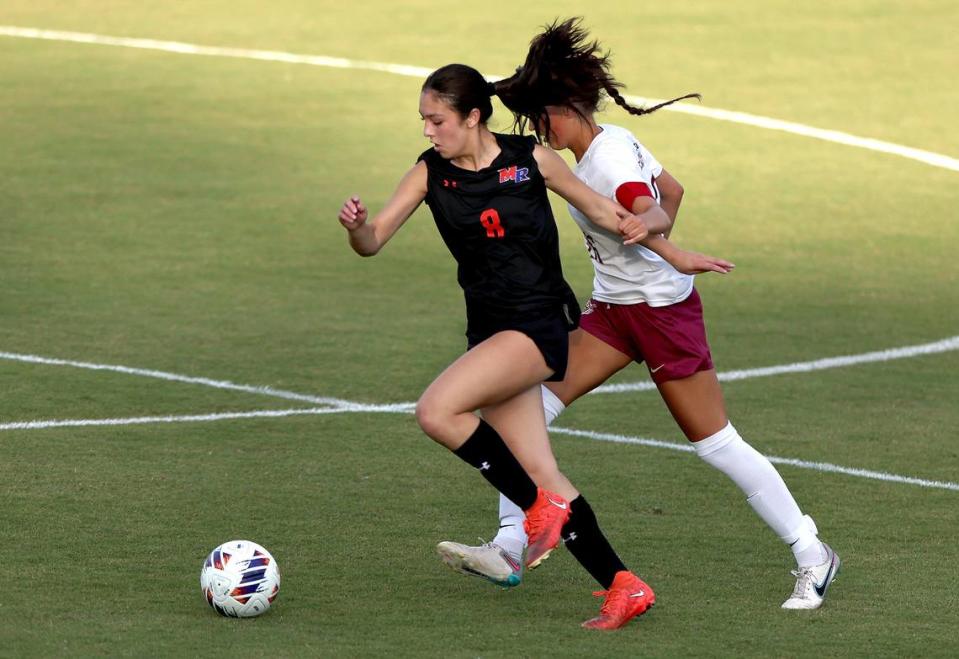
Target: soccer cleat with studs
488 561
813 582
544 525
628 597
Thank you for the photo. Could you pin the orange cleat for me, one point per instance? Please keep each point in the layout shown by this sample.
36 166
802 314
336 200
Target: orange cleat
544 525
628 597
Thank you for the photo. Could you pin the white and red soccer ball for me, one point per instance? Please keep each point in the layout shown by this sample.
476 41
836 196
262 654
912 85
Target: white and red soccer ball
240 579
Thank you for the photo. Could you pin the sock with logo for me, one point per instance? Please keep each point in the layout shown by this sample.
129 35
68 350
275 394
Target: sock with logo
487 451
586 542
511 531
765 491
552 405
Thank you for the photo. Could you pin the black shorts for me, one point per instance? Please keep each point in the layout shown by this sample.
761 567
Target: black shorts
549 331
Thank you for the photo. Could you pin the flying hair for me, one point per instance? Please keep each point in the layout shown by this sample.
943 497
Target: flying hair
564 68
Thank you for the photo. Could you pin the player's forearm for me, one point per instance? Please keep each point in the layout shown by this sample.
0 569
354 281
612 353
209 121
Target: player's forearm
363 240
658 244
671 196
656 219
602 212
670 205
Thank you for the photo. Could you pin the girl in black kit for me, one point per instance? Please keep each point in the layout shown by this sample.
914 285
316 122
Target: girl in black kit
487 193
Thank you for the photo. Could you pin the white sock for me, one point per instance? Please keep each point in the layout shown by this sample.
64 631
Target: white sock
552 405
765 491
511 535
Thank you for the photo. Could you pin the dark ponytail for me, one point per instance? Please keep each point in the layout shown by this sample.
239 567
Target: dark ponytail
620 101
563 68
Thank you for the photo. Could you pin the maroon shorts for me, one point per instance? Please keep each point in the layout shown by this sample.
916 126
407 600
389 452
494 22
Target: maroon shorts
671 339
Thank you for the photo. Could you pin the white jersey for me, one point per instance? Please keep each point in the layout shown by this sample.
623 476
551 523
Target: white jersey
625 274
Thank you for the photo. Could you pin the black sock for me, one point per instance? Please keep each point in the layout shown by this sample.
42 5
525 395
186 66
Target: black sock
486 451
586 542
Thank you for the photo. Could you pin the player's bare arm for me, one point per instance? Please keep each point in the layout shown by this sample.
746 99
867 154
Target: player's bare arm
368 238
670 197
656 219
688 263
603 212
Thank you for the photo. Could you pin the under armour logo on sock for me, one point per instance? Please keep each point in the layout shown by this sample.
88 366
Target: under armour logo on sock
572 536
484 466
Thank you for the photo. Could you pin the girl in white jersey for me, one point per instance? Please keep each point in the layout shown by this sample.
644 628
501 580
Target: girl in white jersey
642 309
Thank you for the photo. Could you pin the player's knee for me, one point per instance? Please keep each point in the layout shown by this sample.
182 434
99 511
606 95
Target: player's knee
431 418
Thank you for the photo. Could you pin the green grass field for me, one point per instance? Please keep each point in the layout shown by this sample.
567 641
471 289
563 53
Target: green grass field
176 213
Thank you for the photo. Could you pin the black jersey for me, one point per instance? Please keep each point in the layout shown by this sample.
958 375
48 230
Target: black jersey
499 226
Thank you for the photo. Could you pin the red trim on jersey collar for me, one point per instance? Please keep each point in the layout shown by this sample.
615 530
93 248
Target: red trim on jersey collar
627 193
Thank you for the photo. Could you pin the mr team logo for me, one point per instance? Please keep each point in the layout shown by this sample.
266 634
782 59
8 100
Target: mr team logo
506 175
514 174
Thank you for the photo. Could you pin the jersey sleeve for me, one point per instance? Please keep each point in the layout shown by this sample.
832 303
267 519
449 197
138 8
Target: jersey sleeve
619 164
655 169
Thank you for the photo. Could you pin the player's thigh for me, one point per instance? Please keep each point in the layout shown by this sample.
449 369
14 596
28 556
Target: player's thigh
592 361
696 403
496 369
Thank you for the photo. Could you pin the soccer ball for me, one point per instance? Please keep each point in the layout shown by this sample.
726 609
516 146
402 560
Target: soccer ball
240 579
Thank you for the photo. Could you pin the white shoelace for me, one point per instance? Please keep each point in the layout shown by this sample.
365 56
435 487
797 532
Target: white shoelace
803 581
518 559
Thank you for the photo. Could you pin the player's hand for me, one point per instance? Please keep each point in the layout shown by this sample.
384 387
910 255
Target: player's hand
632 229
353 214
691 263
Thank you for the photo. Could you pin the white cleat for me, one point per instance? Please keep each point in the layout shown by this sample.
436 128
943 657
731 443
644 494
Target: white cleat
812 582
488 561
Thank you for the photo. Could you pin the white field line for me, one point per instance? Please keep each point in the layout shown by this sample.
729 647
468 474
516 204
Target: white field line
401 409
920 155
945 345
196 418
927 157
161 375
